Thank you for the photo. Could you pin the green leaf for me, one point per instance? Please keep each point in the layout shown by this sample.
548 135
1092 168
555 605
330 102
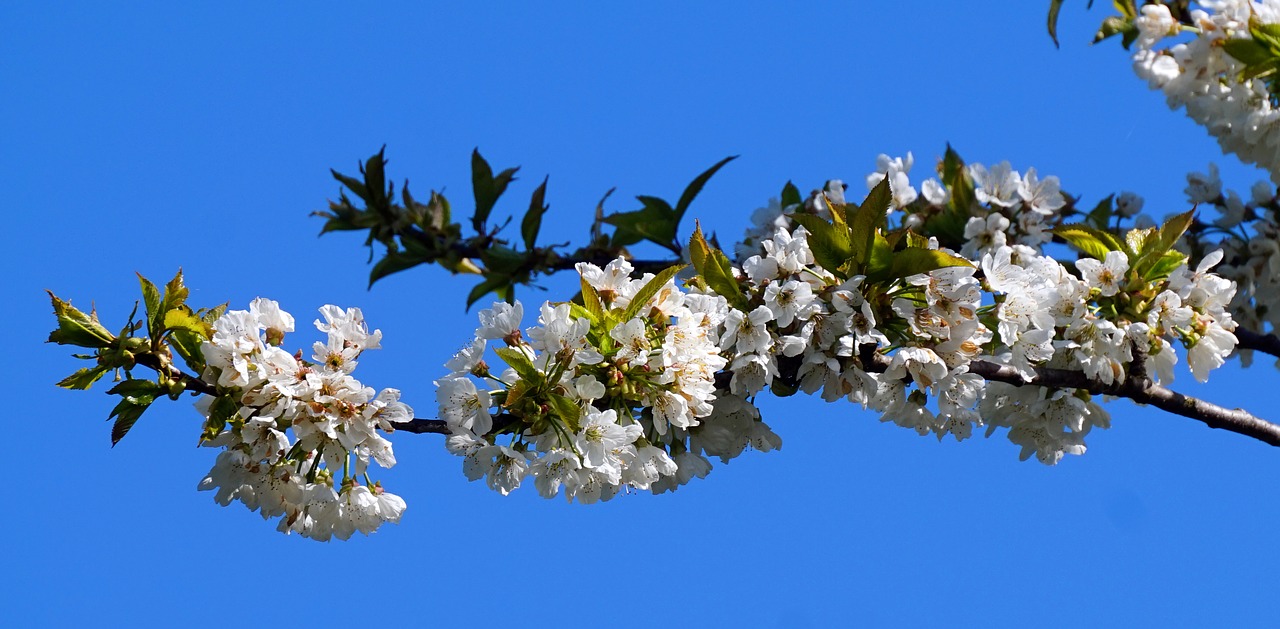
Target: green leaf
567 410
958 182
715 269
1094 243
532 222
910 262
151 301
1247 51
137 388
187 345
649 290
175 293
1054 7
1101 214
136 397
591 300
1165 265
487 188
791 196
183 318
695 187
394 262
880 259
375 182
83 378
1135 241
1160 243
866 221
830 245
1117 25
655 222
77 328
223 410
352 183
520 362
491 284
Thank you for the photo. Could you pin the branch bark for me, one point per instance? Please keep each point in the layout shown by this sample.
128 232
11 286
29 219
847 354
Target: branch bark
1136 387
1258 342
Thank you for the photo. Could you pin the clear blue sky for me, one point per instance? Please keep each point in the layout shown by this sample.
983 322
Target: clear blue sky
147 137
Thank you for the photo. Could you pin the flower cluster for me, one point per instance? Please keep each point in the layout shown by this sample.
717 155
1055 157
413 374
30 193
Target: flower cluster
298 435
619 393
1246 231
1201 77
1005 206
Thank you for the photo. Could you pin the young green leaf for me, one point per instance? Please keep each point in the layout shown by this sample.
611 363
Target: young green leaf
913 261
591 300
83 378
715 269
829 243
151 301
183 318
567 410
520 362
77 328
641 299
1094 243
1054 7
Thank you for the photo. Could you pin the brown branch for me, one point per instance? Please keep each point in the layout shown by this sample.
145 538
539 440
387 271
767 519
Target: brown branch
1136 387
1258 342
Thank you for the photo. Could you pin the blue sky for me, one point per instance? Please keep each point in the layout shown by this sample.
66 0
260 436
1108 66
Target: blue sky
148 137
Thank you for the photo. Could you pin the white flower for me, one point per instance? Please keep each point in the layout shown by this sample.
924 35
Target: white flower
983 235
746 333
997 186
601 434
502 321
1108 275
790 301
463 405
1042 196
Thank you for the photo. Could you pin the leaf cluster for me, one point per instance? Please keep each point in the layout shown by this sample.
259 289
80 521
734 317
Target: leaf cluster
168 326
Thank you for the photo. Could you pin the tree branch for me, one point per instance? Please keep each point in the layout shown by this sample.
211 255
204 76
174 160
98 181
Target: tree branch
1259 342
1136 387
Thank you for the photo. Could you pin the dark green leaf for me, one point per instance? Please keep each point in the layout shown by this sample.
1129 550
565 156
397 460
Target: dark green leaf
1054 7
641 299
655 222
695 187
1100 216
487 188
83 378
375 182
354 184
1247 51
791 196
491 284
393 262
532 222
